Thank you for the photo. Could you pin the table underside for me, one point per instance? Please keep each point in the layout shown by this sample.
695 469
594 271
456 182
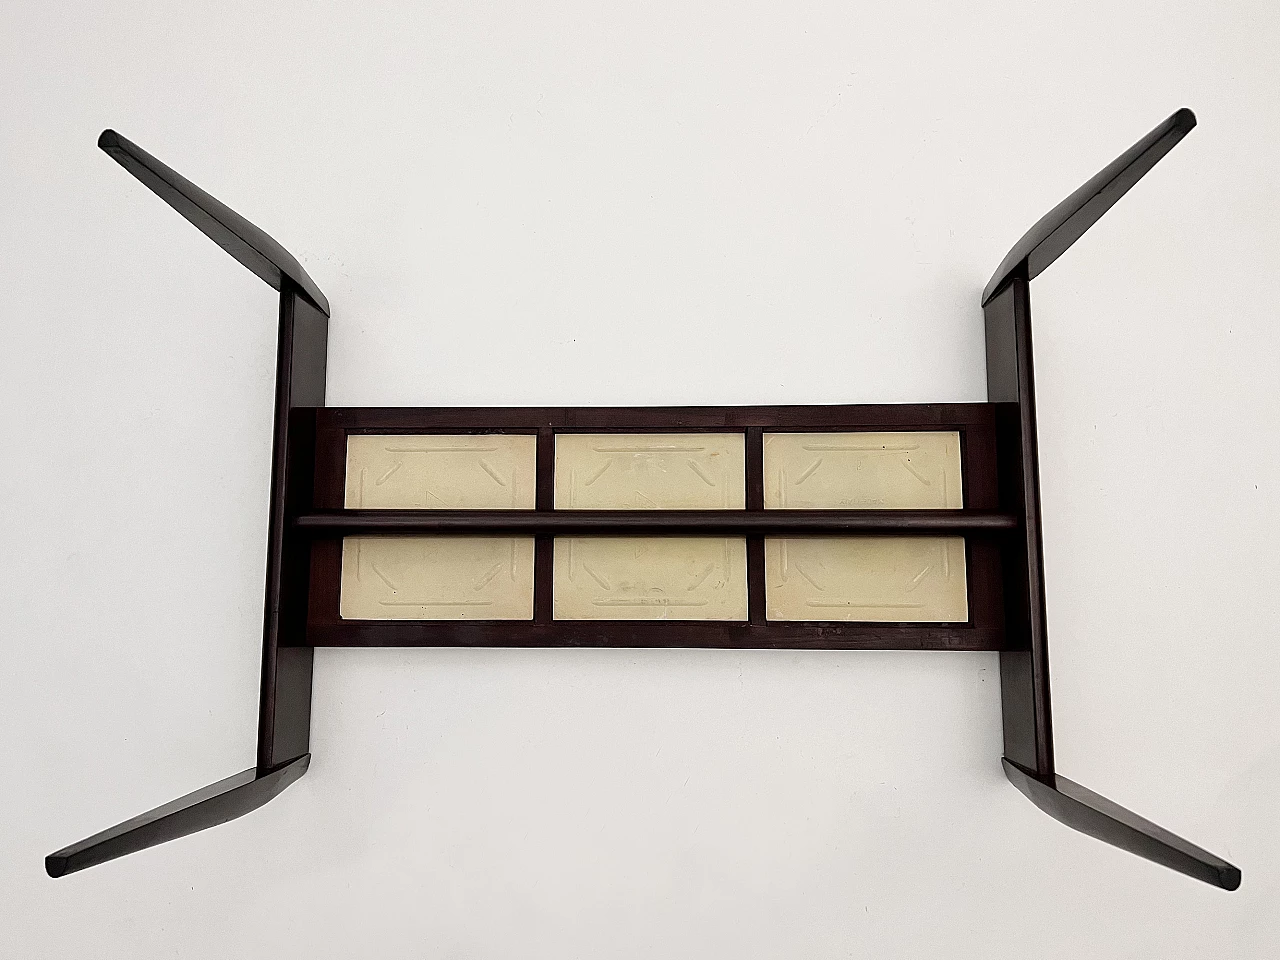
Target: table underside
320 440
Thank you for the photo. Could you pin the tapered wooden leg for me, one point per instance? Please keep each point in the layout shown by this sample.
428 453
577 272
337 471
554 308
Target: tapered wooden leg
284 721
1024 664
207 807
1082 809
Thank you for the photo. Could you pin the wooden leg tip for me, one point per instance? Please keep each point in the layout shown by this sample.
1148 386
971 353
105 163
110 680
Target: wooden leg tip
1229 878
56 866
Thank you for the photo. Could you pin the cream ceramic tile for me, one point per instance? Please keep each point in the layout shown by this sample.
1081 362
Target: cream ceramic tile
631 471
863 471
437 578
488 472
650 578
885 579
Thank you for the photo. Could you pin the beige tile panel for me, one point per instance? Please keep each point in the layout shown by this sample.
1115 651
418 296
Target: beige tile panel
489 472
673 471
437 578
650 578
863 471
883 579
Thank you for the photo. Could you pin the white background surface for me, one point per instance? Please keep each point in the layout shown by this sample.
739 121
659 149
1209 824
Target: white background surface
580 204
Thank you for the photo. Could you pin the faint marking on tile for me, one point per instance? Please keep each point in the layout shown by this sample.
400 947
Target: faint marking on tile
863 471
882 579
689 471
437 578
650 578
484 472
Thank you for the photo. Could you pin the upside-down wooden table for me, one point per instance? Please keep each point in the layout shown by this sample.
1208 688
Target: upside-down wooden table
996 529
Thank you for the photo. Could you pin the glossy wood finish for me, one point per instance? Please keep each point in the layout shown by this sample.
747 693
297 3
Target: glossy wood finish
774 523
207 807
232 232
1024 664
1062 226
284 720
284 714
1082 809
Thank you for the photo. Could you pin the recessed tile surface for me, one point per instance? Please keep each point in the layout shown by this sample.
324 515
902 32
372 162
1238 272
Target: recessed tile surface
437 578
883 579
485 472
632 471
650 578
863 471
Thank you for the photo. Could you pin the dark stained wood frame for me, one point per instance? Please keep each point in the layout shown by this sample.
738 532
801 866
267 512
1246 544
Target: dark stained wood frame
1000 523
975 423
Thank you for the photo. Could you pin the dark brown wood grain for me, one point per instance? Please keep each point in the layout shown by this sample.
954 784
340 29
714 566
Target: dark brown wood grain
651 633
1024 667
249 244
754 451
284 714
886 416
544 544
653 523
978 452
